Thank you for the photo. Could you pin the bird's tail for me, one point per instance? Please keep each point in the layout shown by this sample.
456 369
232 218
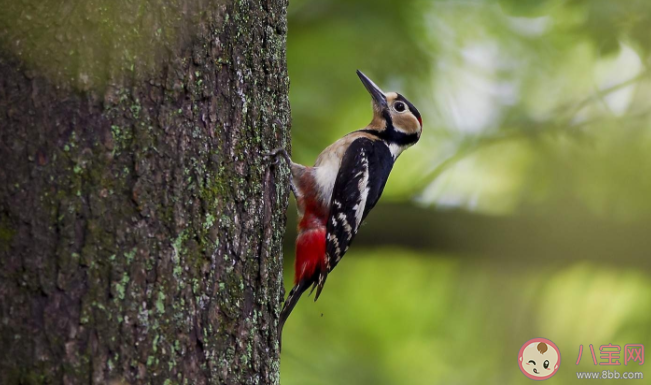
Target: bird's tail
290 302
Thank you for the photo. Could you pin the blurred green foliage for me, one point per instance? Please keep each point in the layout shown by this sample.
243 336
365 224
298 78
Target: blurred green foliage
531 108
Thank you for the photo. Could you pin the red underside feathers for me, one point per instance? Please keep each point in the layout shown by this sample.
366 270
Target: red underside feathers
310 243
311 240
310 253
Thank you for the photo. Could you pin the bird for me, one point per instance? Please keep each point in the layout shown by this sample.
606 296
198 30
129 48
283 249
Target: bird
335 195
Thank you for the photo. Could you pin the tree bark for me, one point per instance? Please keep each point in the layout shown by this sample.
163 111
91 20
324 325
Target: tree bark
140 229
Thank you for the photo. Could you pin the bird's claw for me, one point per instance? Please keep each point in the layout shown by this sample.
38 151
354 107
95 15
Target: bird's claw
270 158
273 154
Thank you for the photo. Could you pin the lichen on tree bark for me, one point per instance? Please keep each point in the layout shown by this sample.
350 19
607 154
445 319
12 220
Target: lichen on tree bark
140 229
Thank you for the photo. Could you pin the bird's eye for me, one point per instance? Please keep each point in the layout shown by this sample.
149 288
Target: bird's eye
546 364
400 107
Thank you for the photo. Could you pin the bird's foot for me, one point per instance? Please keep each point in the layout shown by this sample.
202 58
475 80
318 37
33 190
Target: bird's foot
275 155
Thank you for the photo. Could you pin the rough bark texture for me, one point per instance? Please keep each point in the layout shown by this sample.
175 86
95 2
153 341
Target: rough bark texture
140 229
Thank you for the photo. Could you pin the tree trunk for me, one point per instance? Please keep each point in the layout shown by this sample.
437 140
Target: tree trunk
140 229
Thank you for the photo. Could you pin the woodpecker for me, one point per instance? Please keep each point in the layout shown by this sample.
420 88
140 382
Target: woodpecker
336 194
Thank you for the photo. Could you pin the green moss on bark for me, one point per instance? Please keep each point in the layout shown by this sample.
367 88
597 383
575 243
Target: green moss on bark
145 221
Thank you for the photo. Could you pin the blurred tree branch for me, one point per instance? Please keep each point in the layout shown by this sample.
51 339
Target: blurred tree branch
569 112
530 129
561 235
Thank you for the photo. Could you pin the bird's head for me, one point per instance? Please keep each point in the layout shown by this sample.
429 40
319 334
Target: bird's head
394 117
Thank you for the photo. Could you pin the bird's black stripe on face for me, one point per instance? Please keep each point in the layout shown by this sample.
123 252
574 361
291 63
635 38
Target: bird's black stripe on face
412 108
390 135
386 114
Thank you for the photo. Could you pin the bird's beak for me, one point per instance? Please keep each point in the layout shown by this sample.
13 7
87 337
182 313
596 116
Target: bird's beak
374 90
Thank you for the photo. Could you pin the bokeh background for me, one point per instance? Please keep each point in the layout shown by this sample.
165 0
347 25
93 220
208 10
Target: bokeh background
525 209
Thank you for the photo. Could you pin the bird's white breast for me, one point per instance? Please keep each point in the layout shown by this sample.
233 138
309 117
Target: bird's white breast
326 175
328 163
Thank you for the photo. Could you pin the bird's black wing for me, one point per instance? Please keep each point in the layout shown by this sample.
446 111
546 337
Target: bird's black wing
362 175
